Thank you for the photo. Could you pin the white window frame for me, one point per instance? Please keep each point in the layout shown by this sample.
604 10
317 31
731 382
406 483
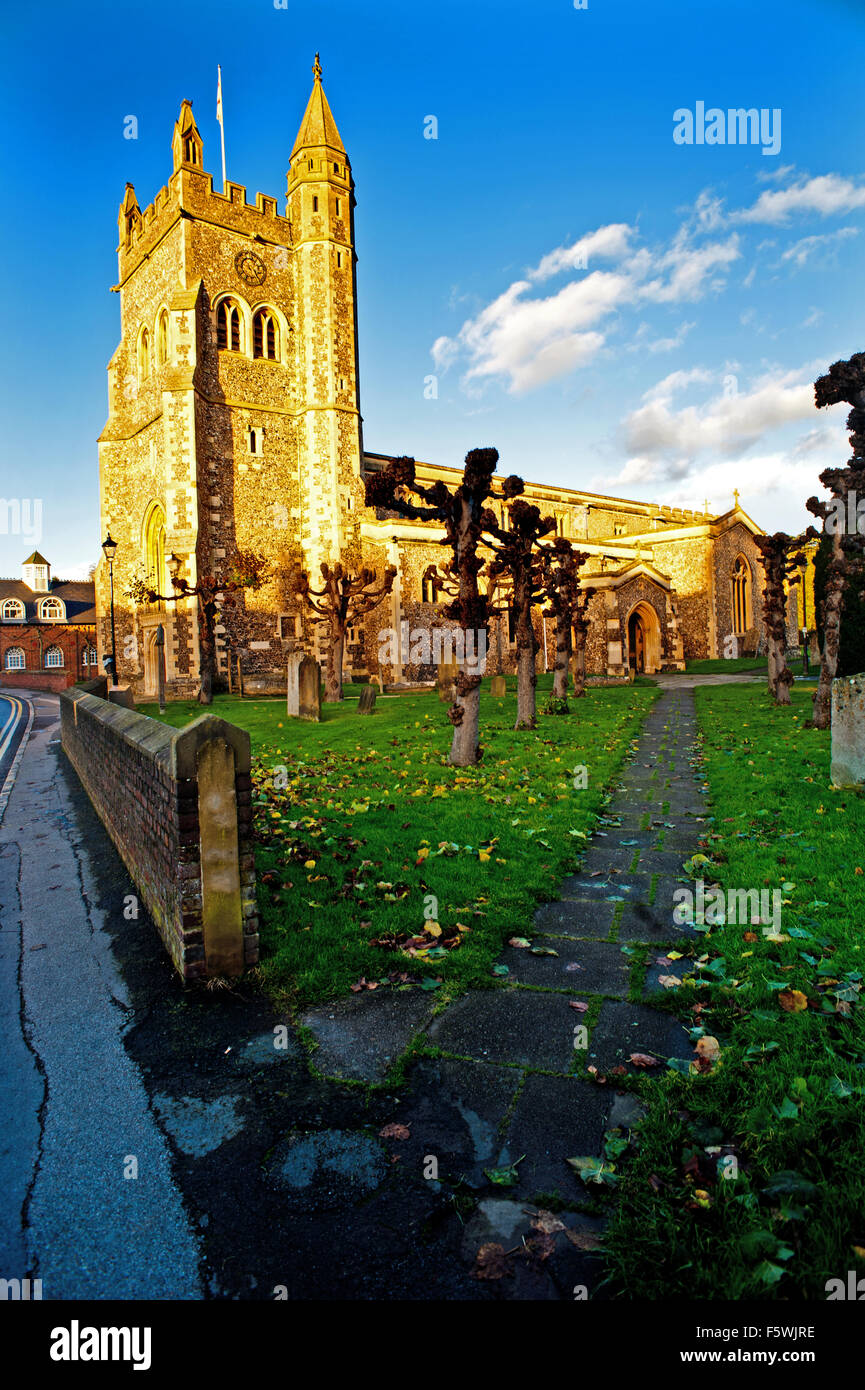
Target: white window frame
52 618
15 665
53 665
18 615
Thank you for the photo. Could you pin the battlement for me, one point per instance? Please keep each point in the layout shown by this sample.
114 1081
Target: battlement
190 193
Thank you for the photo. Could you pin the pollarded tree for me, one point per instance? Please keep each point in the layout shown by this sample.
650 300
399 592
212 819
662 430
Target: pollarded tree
845 381
462 513
780 557
516 554
217 596
561 588
344 598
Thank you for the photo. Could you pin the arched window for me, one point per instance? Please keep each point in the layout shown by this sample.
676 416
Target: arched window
228 322
162 339
13 610
740 585
154 549
265 335
53 656
15 659
143 355
90 658
51 610
191 151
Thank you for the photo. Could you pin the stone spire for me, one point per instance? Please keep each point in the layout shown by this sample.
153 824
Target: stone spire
318 128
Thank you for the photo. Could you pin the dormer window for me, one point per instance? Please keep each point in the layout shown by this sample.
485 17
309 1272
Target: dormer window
51 610
13 610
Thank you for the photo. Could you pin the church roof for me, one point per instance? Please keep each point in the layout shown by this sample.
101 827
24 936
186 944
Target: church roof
318 126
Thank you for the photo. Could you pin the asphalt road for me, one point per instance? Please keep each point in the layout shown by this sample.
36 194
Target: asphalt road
14 714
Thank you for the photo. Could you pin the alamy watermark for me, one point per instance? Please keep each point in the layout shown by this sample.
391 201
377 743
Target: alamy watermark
21 516
420 646
846 516
738 906
735 126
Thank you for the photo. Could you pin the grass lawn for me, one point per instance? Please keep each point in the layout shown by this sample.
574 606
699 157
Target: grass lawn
369 835
785 1100
720 666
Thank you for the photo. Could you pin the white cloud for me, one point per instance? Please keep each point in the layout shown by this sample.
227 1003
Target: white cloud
529 341
826 194
730 422
801 250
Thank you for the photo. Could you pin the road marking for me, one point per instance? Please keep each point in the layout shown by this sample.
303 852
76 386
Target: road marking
6 790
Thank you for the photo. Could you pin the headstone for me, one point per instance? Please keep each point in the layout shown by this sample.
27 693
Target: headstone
498 688
848 731
293 683
447 674
366 703
309 686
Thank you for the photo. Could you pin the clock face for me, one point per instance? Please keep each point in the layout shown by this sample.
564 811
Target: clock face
250 268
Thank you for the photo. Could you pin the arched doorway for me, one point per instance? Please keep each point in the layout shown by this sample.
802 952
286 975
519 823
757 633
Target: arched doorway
644 639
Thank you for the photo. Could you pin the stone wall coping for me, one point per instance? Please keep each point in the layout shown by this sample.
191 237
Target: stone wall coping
176 749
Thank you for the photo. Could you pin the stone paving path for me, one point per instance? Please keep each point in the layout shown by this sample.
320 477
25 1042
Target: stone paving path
291 1176
512 1082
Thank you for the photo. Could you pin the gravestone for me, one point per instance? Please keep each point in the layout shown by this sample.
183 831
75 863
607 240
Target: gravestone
366 703
292 678
848 731
309 689
447 674
498 687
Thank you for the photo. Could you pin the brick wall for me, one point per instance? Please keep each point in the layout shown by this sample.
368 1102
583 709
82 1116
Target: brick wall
141 777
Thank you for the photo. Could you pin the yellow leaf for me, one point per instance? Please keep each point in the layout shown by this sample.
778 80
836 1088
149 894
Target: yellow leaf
483 856
310 864
433 928
793 1001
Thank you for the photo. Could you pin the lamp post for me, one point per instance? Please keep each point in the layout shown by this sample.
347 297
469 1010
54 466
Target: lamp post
109 549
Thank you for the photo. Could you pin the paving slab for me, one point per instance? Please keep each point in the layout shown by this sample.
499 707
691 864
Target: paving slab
518 1026
625 1028
589 967
453 1112
555 1118
359 1038
639 922
576 919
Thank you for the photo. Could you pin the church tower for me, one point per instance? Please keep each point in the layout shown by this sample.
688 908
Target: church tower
234 420
320 207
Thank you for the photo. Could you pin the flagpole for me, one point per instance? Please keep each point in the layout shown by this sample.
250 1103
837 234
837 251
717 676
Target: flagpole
220 119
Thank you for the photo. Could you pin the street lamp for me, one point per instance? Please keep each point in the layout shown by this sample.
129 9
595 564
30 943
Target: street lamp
109 550
804 574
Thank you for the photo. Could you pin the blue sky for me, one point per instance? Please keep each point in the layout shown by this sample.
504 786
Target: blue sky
611 309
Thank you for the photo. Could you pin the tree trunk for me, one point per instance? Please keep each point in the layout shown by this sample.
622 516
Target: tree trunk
563 652
771 663
580 668
333 674
832 606
526 677
464 714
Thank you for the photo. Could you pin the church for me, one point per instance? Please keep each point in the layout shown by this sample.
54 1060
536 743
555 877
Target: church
235 424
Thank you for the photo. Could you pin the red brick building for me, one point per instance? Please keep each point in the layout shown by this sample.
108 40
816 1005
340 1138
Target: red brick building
47 629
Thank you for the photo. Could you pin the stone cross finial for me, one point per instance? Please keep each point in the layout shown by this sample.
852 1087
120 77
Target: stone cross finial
316 69
735 496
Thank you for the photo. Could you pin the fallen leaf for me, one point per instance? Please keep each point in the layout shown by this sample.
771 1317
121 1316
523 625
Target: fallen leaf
708 1048
642 1059
395 1131
792 1001
584 1240
490 1262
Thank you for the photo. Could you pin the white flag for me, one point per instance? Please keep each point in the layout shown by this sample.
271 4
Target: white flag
219 94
